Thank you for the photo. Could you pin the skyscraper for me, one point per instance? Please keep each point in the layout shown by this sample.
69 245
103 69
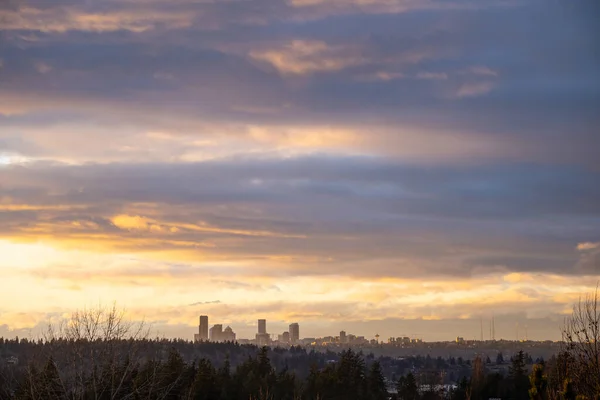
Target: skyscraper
203 328
262 326
262 337
343 337
294 330
216 333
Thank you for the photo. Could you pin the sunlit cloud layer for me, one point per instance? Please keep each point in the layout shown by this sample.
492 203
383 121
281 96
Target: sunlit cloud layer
374 165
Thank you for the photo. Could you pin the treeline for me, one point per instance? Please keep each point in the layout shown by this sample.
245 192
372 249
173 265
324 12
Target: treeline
296 359
105 375
255 378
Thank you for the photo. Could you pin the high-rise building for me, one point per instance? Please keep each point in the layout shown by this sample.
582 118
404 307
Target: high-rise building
203 328
294 330
216 333
228 335
343 338
262 326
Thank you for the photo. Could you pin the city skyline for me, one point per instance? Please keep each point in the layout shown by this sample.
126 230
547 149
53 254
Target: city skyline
520 332
390 167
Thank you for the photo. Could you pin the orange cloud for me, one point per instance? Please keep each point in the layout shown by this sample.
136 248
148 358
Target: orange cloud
301 57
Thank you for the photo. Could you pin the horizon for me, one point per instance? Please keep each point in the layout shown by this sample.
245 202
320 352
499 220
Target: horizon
396 167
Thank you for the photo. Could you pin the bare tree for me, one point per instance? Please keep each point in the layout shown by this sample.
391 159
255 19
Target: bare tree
96 351
581 336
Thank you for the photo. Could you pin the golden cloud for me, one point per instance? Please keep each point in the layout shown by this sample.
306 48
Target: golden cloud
301 57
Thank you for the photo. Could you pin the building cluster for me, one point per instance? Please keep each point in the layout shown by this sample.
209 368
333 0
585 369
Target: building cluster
404 341
291 337
215 334
342 339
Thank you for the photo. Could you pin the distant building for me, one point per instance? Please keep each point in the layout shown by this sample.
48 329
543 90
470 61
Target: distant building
216 333
284 337
12 361
202 329
263 339
343 337
262 326
228 335
294 333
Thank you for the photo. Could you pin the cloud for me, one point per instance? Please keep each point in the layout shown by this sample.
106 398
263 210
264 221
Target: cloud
303 57
308 215
589 258
587 246
68 17
432 75
482 70
474 89
43 68
205 302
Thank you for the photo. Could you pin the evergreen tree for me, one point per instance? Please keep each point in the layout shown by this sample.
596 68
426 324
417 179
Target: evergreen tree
539 383
285 387
171 376
377 389
205 385
461 390
50 384
350 375
517 373
500 358
407 388
225 380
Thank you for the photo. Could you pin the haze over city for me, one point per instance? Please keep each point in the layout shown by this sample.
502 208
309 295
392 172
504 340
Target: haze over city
393 167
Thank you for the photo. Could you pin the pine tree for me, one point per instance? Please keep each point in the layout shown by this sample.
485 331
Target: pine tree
171 382
517 373
539 383
407 388
205 385
350 374
460 392
225 379
51 385
499 359
377 389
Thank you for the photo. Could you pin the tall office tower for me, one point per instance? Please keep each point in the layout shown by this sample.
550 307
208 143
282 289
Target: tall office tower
203 328
343 338
262 326
216 333
294 330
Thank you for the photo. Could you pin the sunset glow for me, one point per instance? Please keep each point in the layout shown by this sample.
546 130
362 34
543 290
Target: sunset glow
392 167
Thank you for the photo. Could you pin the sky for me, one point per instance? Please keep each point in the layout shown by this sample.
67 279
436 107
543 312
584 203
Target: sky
401 167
